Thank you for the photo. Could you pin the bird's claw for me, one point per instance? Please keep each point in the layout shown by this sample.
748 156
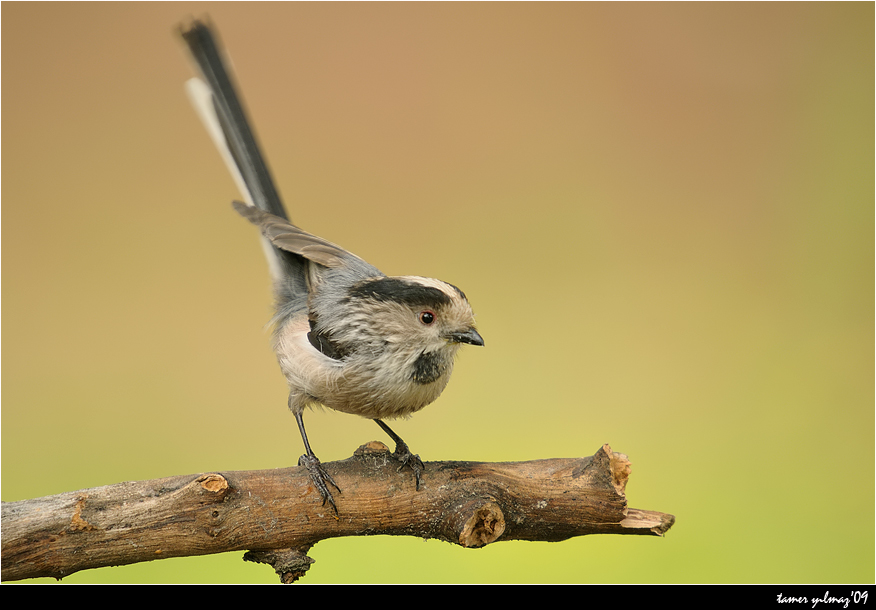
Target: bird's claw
403 454
321 479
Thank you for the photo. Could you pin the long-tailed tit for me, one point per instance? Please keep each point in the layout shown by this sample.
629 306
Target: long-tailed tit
346 335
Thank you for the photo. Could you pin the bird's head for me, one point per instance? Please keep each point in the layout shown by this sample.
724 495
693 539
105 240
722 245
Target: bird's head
419 311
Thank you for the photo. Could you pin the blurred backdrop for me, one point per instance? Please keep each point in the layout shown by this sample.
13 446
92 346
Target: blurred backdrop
662 214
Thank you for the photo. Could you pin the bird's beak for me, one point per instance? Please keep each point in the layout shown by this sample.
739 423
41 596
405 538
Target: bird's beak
470 336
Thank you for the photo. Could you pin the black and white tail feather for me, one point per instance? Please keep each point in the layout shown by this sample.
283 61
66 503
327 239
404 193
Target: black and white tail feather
346 335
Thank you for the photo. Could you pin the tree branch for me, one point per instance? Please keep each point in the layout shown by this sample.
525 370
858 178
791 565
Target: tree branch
278 516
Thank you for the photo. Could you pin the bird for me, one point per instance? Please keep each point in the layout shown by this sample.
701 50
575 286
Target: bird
346 335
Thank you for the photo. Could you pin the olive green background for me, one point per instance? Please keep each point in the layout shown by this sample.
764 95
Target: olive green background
662 214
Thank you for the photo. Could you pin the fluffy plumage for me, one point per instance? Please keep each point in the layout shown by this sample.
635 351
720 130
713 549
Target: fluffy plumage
346 336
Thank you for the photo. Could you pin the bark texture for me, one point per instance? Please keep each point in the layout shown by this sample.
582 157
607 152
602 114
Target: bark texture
277 514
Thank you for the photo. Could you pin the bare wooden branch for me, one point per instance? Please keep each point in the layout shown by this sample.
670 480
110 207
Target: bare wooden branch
277 515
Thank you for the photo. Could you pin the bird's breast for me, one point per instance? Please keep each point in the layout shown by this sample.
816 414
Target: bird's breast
384 383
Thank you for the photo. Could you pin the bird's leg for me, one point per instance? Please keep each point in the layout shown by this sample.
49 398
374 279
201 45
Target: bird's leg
321 478
403 454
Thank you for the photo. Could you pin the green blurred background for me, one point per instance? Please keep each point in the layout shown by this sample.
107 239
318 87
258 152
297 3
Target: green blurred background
663 215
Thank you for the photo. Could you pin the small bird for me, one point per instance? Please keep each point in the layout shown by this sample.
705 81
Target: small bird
346 335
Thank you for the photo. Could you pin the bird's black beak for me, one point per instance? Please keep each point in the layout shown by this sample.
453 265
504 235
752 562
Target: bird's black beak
471 336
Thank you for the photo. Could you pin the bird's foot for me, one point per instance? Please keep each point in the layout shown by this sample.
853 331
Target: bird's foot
403 454
321 479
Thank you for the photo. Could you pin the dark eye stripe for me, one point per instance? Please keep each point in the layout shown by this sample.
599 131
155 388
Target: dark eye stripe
399 291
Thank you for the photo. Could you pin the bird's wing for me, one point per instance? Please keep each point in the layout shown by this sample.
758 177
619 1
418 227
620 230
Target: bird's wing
284 235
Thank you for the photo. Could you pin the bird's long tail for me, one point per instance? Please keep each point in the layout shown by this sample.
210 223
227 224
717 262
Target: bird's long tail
216 101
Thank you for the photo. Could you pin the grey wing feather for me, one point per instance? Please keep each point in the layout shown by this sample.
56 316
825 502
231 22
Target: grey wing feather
285 236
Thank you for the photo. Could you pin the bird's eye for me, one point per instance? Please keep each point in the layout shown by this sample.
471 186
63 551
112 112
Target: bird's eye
426 317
